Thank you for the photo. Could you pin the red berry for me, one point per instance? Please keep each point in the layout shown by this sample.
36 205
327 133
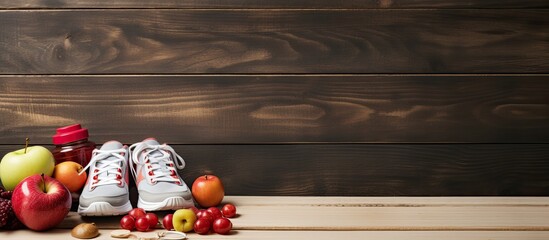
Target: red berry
127 222
216 213
205 214
153 220
142 224
195 209
167 222
228 210
222 225
137 213
202 226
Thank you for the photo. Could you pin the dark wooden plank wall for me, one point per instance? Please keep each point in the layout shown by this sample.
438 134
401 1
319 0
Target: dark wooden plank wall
279 4
184 41
294 98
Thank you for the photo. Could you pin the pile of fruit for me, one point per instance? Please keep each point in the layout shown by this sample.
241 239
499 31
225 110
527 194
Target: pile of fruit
35 185
31 191
183 220
208 192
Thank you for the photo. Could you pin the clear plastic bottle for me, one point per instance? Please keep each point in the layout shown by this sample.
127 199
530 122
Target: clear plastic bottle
71 144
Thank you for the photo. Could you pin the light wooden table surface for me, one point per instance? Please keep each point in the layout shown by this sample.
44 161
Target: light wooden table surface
359 218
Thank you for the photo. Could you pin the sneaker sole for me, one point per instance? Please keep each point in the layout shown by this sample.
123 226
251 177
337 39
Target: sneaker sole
172 203
104 209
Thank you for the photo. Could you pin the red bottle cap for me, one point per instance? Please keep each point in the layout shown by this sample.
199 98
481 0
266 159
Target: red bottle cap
69 134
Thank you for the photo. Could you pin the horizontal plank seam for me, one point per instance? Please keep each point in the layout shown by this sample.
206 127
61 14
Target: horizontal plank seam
283 75
319 143
268 9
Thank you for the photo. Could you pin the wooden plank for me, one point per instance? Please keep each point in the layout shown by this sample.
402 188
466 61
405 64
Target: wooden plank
409 217
393 218
277 4
370 169
274 41
231 109
318 235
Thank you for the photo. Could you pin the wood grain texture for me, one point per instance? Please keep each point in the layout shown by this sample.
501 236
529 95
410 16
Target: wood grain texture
409 217
279 109
274 41
321 218
278 4
370 169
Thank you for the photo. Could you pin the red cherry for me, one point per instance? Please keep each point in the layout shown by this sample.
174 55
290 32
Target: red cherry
222 225
127 222
153 220
195 209
142 224
216 213
228 210
202 226
167 222
137 213
199 213
205 214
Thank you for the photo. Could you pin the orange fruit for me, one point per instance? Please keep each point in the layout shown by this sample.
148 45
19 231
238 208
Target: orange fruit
67 174
208 190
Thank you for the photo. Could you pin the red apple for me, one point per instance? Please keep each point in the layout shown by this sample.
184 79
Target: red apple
127 222
216 213
41 202
202 226
208 190
222 225
228 210
167 222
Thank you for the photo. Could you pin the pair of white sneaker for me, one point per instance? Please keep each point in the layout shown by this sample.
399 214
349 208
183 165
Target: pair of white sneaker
154 168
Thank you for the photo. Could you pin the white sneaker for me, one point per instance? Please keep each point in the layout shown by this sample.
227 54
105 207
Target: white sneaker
154 168
106 190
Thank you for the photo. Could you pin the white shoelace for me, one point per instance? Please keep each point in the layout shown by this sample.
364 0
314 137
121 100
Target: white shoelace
157 172
111 167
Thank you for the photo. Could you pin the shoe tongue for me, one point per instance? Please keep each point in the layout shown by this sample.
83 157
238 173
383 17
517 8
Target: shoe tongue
151 141
111 145
156 153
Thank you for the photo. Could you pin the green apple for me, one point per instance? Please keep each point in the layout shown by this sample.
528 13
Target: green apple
183 220
18 165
